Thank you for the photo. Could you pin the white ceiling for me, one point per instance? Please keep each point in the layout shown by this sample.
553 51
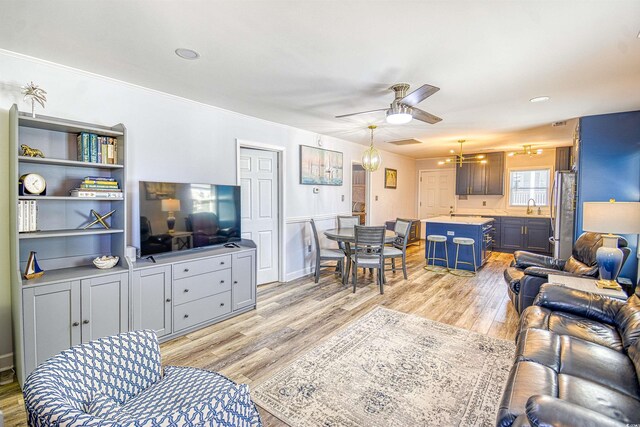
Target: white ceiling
302 62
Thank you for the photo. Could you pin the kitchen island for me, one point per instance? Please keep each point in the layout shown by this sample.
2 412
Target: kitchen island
478 228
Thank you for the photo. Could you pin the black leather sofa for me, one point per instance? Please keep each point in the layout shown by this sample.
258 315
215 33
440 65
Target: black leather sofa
529 270
577 362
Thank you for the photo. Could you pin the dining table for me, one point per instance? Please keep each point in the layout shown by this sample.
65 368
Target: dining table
347 235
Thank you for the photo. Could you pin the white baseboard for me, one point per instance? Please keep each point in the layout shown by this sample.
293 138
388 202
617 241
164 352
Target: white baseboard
298 274
6 362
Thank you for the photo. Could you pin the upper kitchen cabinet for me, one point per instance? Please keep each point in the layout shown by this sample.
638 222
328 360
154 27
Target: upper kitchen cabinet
481 179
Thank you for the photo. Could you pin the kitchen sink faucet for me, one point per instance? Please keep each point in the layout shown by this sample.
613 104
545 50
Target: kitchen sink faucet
529 208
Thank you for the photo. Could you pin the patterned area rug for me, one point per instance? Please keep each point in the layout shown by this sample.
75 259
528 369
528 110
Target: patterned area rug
392 369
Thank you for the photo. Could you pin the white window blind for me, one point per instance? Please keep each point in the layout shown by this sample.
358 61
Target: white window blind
529 184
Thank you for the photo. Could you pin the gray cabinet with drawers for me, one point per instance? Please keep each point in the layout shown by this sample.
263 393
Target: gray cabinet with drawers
184 292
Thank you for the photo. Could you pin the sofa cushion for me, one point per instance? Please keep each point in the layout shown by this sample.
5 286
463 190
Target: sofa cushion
572 325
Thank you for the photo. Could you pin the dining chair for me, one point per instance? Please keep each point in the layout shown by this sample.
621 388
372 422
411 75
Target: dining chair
326 255
398 249
347 221
369 252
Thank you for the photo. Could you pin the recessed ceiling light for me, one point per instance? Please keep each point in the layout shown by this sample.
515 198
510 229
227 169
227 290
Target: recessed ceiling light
539 99
187 53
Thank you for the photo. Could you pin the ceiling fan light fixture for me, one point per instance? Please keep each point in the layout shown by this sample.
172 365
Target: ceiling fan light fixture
399 115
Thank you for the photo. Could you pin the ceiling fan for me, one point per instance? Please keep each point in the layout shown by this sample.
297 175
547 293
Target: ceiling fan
402 109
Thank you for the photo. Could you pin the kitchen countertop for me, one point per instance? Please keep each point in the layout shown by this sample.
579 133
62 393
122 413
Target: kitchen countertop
462 220
515 215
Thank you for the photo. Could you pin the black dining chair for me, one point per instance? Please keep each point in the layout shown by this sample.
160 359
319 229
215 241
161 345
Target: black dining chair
326 255
398 249
368 252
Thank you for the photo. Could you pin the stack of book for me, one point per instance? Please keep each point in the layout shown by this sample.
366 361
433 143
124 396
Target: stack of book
98 186
27 215
97 149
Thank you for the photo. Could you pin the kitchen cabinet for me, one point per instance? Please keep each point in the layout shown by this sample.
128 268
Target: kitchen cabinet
519 233
480 178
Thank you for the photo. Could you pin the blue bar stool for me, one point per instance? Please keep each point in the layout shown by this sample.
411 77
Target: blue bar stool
464 241
435 239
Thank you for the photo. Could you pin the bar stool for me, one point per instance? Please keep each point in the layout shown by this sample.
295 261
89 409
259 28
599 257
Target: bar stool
464 241
435 239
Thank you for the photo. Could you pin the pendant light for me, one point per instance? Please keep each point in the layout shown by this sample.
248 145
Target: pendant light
371 159
527 151
460 159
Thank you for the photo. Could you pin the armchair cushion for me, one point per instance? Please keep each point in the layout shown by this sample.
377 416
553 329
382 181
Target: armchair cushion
591 306
524 259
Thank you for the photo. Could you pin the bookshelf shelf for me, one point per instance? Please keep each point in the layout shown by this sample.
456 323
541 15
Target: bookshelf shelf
68 233
66 126
64 162
63 198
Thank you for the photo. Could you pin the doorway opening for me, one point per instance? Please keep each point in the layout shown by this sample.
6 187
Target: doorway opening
359 184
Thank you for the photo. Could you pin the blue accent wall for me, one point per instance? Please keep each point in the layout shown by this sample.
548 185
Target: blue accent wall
609 167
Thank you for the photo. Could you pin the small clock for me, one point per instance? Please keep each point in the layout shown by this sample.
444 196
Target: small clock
32 184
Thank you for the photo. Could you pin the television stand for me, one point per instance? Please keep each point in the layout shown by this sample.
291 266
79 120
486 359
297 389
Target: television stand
178 292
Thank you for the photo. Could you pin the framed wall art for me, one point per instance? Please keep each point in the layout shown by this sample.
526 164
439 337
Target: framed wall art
390 178
320 167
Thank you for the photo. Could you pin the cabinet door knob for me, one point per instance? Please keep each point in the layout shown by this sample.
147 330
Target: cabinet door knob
221 304
85 322
186 290
221 281
235 282
168 299
186 270
186 316
76 324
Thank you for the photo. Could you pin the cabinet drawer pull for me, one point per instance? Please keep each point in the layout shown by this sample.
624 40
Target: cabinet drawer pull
168 299
221 281
221 262
186 316
85 322
76 324
221 304
186 290
186 270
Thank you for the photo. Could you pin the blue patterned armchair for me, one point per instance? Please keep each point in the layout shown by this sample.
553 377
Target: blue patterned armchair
119 382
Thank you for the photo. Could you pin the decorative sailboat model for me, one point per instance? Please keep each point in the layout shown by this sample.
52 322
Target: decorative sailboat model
32 270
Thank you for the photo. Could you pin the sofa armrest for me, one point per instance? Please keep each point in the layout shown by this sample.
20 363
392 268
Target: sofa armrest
524 259
543 411
592 306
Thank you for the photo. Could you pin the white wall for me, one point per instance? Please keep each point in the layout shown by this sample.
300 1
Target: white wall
497 204
174 139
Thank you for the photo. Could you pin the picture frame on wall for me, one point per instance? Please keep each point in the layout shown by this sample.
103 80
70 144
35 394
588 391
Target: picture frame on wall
390 178
320 167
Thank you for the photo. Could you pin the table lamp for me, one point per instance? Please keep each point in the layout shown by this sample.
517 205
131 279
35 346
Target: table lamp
613 218
171 206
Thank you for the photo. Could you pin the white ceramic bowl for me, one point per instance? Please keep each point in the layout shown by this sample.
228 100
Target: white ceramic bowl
105 262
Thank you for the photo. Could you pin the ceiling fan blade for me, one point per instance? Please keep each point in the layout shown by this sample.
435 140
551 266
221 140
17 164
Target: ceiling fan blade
419 95
421 115
362 112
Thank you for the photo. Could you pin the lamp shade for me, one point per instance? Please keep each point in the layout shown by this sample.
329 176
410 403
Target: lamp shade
611 217
170 205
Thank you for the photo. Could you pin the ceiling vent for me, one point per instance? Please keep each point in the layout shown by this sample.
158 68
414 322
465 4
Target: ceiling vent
556 124
405 142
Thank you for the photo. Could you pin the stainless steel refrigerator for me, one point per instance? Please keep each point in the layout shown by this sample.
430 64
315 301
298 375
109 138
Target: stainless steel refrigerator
563 213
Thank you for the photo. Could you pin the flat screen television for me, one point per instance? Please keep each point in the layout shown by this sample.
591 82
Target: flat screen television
175 216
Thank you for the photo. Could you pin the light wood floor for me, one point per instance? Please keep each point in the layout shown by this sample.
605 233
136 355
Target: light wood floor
293 317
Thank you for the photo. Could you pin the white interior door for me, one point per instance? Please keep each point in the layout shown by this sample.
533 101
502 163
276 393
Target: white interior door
259 189
437 192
